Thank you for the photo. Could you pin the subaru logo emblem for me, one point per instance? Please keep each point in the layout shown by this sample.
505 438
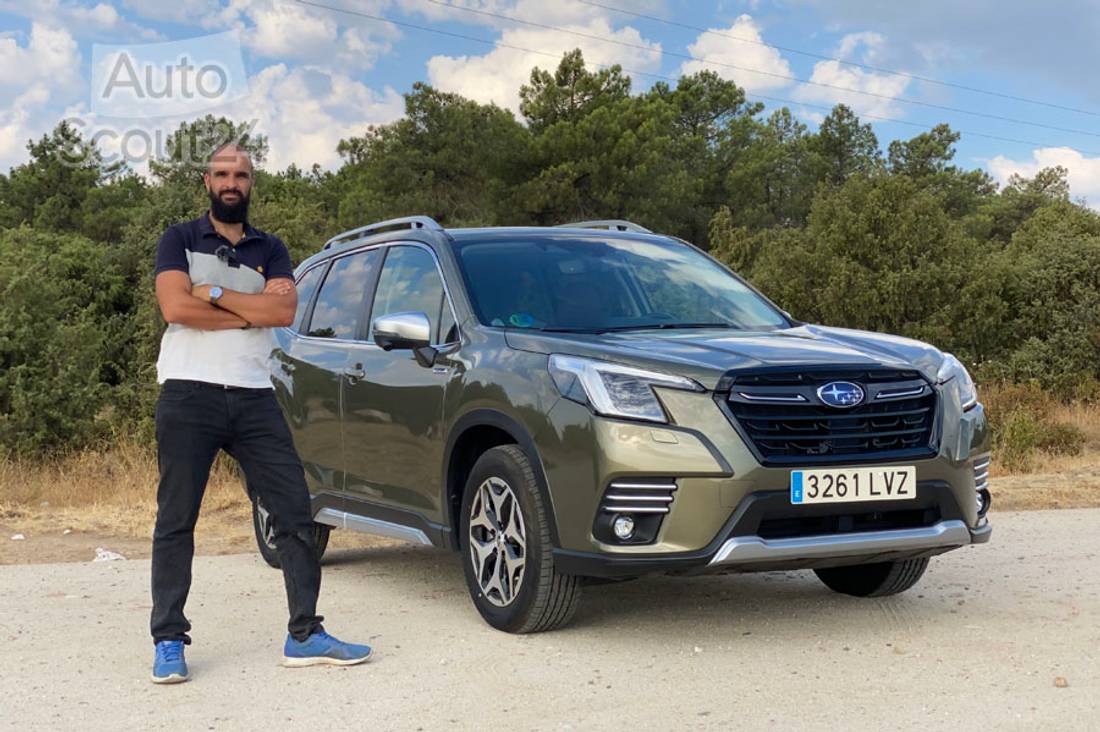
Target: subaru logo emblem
840 394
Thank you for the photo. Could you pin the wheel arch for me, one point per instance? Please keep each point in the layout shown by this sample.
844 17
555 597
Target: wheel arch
472 435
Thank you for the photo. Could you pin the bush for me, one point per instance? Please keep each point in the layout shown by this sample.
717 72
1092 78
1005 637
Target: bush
1022 419
63 340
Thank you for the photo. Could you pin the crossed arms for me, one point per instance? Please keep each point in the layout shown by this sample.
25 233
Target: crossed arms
182 304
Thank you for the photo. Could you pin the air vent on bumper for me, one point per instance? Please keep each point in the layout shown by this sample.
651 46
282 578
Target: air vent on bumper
632 510
981 484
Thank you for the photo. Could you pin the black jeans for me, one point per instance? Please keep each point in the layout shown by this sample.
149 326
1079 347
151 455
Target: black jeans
194 421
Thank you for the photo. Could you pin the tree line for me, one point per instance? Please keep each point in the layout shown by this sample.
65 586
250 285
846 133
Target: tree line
830 226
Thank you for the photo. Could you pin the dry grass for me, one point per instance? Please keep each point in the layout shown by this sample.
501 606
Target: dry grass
113 492
1052 480
1086 417
110 492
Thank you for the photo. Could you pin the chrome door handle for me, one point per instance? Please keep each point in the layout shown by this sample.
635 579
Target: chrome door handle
287 367
355 374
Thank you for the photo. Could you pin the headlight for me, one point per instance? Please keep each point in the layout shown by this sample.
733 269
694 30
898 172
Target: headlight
954 374
612 389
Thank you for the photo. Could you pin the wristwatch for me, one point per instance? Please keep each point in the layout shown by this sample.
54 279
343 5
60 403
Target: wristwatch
215 293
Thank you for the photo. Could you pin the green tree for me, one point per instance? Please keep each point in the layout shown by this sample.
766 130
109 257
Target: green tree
571 93
450 158
1052 331
924 155
713 123
187 150
879 253
846 146
299 207
49 190
1020 199
773 175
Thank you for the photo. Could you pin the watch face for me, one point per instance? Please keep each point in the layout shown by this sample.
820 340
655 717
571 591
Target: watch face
215 293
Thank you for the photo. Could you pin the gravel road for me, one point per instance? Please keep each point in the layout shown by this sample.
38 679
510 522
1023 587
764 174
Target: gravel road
1001 636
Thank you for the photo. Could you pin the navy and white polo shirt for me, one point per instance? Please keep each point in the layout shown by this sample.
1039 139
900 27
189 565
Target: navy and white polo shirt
229 357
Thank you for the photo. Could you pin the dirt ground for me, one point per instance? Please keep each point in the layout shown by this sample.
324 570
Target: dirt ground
53 545
1002 636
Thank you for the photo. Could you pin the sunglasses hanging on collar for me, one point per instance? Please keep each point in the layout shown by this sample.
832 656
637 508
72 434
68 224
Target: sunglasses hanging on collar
227 255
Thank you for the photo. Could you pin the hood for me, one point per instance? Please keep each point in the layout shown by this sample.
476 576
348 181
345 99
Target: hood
707 355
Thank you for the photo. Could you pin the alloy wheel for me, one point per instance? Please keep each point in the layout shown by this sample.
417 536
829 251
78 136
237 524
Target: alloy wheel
498 541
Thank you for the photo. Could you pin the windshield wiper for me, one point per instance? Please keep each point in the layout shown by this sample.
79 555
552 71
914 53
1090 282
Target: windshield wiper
641 326
566 330
665 326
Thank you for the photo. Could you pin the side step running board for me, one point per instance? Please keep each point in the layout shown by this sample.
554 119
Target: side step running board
378 527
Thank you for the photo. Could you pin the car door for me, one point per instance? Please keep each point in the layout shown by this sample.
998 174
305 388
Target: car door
314 363
392 416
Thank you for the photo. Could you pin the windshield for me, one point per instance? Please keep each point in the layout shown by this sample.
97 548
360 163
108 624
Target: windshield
598 285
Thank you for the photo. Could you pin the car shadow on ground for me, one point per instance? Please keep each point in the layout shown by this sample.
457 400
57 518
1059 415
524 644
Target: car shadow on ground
742 604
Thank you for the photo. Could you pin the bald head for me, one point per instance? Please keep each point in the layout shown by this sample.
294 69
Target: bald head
229 153
228 180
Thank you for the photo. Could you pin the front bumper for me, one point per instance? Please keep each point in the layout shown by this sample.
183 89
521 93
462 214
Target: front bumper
748 550
739 549
729 512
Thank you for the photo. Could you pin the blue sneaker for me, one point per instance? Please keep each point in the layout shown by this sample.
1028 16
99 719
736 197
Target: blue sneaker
169 666
323 648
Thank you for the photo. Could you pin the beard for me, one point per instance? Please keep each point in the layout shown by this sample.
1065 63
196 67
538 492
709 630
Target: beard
229 213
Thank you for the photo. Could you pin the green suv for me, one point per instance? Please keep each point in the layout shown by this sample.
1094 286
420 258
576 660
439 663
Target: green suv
597 402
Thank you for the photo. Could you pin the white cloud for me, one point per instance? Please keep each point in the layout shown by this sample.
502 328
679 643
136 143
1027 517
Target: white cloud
726 53
31 76
546 12
305 112
51 54
1084 172
284 30
21 122
836 83
871 43
99 20
190 12
497 76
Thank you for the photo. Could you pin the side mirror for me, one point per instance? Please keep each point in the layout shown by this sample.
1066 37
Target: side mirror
402 331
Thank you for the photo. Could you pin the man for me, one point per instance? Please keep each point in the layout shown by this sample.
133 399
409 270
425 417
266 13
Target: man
222 285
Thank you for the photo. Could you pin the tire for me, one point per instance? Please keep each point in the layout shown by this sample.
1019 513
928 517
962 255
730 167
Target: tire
874 580
261 525
524 598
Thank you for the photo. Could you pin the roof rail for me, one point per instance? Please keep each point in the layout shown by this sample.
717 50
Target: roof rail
406 222
611 224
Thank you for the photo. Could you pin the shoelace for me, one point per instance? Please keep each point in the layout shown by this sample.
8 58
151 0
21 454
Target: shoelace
170 652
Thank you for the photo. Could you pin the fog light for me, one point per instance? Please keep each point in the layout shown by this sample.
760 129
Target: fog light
624 527
984 502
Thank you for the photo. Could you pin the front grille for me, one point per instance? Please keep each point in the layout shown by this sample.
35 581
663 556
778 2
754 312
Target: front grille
786 421
639 496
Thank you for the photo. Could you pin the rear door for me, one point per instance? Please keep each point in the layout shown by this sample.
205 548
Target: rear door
314 367
393 441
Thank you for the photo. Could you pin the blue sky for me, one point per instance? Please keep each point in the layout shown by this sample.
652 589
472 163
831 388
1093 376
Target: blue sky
316 75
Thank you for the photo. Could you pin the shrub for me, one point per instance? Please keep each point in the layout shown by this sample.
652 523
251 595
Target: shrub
1021 417
63 339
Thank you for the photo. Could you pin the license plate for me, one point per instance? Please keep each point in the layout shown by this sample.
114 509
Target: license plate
845 485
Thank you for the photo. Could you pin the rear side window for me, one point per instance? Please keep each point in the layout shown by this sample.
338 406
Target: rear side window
306 287
340 301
